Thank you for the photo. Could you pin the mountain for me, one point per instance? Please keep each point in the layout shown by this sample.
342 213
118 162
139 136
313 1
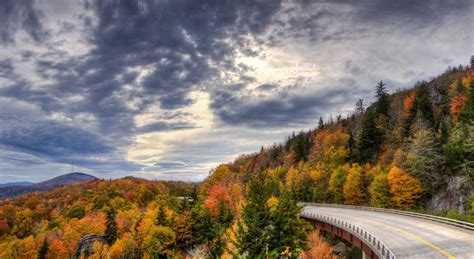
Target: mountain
16 184
62 180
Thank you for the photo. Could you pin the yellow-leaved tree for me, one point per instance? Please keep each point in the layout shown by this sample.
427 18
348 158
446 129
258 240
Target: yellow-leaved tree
352 189
406 190
380 194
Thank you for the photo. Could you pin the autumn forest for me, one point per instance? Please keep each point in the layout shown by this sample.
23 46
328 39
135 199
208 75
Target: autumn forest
412 149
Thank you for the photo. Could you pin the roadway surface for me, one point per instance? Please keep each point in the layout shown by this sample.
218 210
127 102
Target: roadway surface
407 237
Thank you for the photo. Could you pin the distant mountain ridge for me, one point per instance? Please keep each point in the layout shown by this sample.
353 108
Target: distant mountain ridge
66 179
16 184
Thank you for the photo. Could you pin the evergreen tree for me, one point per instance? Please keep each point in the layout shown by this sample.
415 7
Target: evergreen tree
269 226
44 250
161 218
320 123
359 107
469 150
453 150
467 113
288 232
253 234
301 146
111 227
422 106
370 139
383 100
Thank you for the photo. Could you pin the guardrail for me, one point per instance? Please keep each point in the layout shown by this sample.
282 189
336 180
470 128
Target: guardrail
370 240
448 221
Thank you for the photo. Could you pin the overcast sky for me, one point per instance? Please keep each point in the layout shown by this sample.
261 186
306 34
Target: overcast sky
170 89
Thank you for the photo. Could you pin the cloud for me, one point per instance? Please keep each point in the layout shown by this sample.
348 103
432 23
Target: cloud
20 16
172 88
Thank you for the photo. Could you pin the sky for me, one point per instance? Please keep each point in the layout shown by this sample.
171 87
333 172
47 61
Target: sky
169 89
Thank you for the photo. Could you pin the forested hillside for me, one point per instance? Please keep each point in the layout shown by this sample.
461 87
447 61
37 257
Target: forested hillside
412 149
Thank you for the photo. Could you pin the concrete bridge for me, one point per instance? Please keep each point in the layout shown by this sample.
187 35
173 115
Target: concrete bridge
385 233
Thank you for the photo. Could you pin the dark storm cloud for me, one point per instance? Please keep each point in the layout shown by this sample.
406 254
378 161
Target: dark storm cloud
18 15
428 11
175 40
165 126
53 140
285 109
179 43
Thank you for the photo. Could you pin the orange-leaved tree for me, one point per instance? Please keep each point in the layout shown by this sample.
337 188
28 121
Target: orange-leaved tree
406 190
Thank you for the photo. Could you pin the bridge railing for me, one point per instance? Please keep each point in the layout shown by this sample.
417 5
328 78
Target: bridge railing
448 221
370 240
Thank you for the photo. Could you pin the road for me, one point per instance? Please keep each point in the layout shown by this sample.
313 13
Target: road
407 237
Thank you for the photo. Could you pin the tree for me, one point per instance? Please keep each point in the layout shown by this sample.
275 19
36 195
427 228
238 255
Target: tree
44 250
288 232
158 242
379 189
320 123
319 248
359 107
301 145
467 113
469 150
336 183
370 139
423 159
352 189
383 100
253 233
111 227
294 183
76 211
421 107
406 190
219 203
23 223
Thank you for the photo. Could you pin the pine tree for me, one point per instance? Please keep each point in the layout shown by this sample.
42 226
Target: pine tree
469 150
288 232
370 139
467 113
383 100
253 234
161 218
44 250
301 146
359 107
267 229
422 106
111 227
320 123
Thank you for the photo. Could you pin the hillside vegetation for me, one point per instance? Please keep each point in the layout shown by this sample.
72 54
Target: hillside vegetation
411 150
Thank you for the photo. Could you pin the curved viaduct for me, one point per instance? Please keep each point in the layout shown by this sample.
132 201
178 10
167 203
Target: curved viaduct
384 233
